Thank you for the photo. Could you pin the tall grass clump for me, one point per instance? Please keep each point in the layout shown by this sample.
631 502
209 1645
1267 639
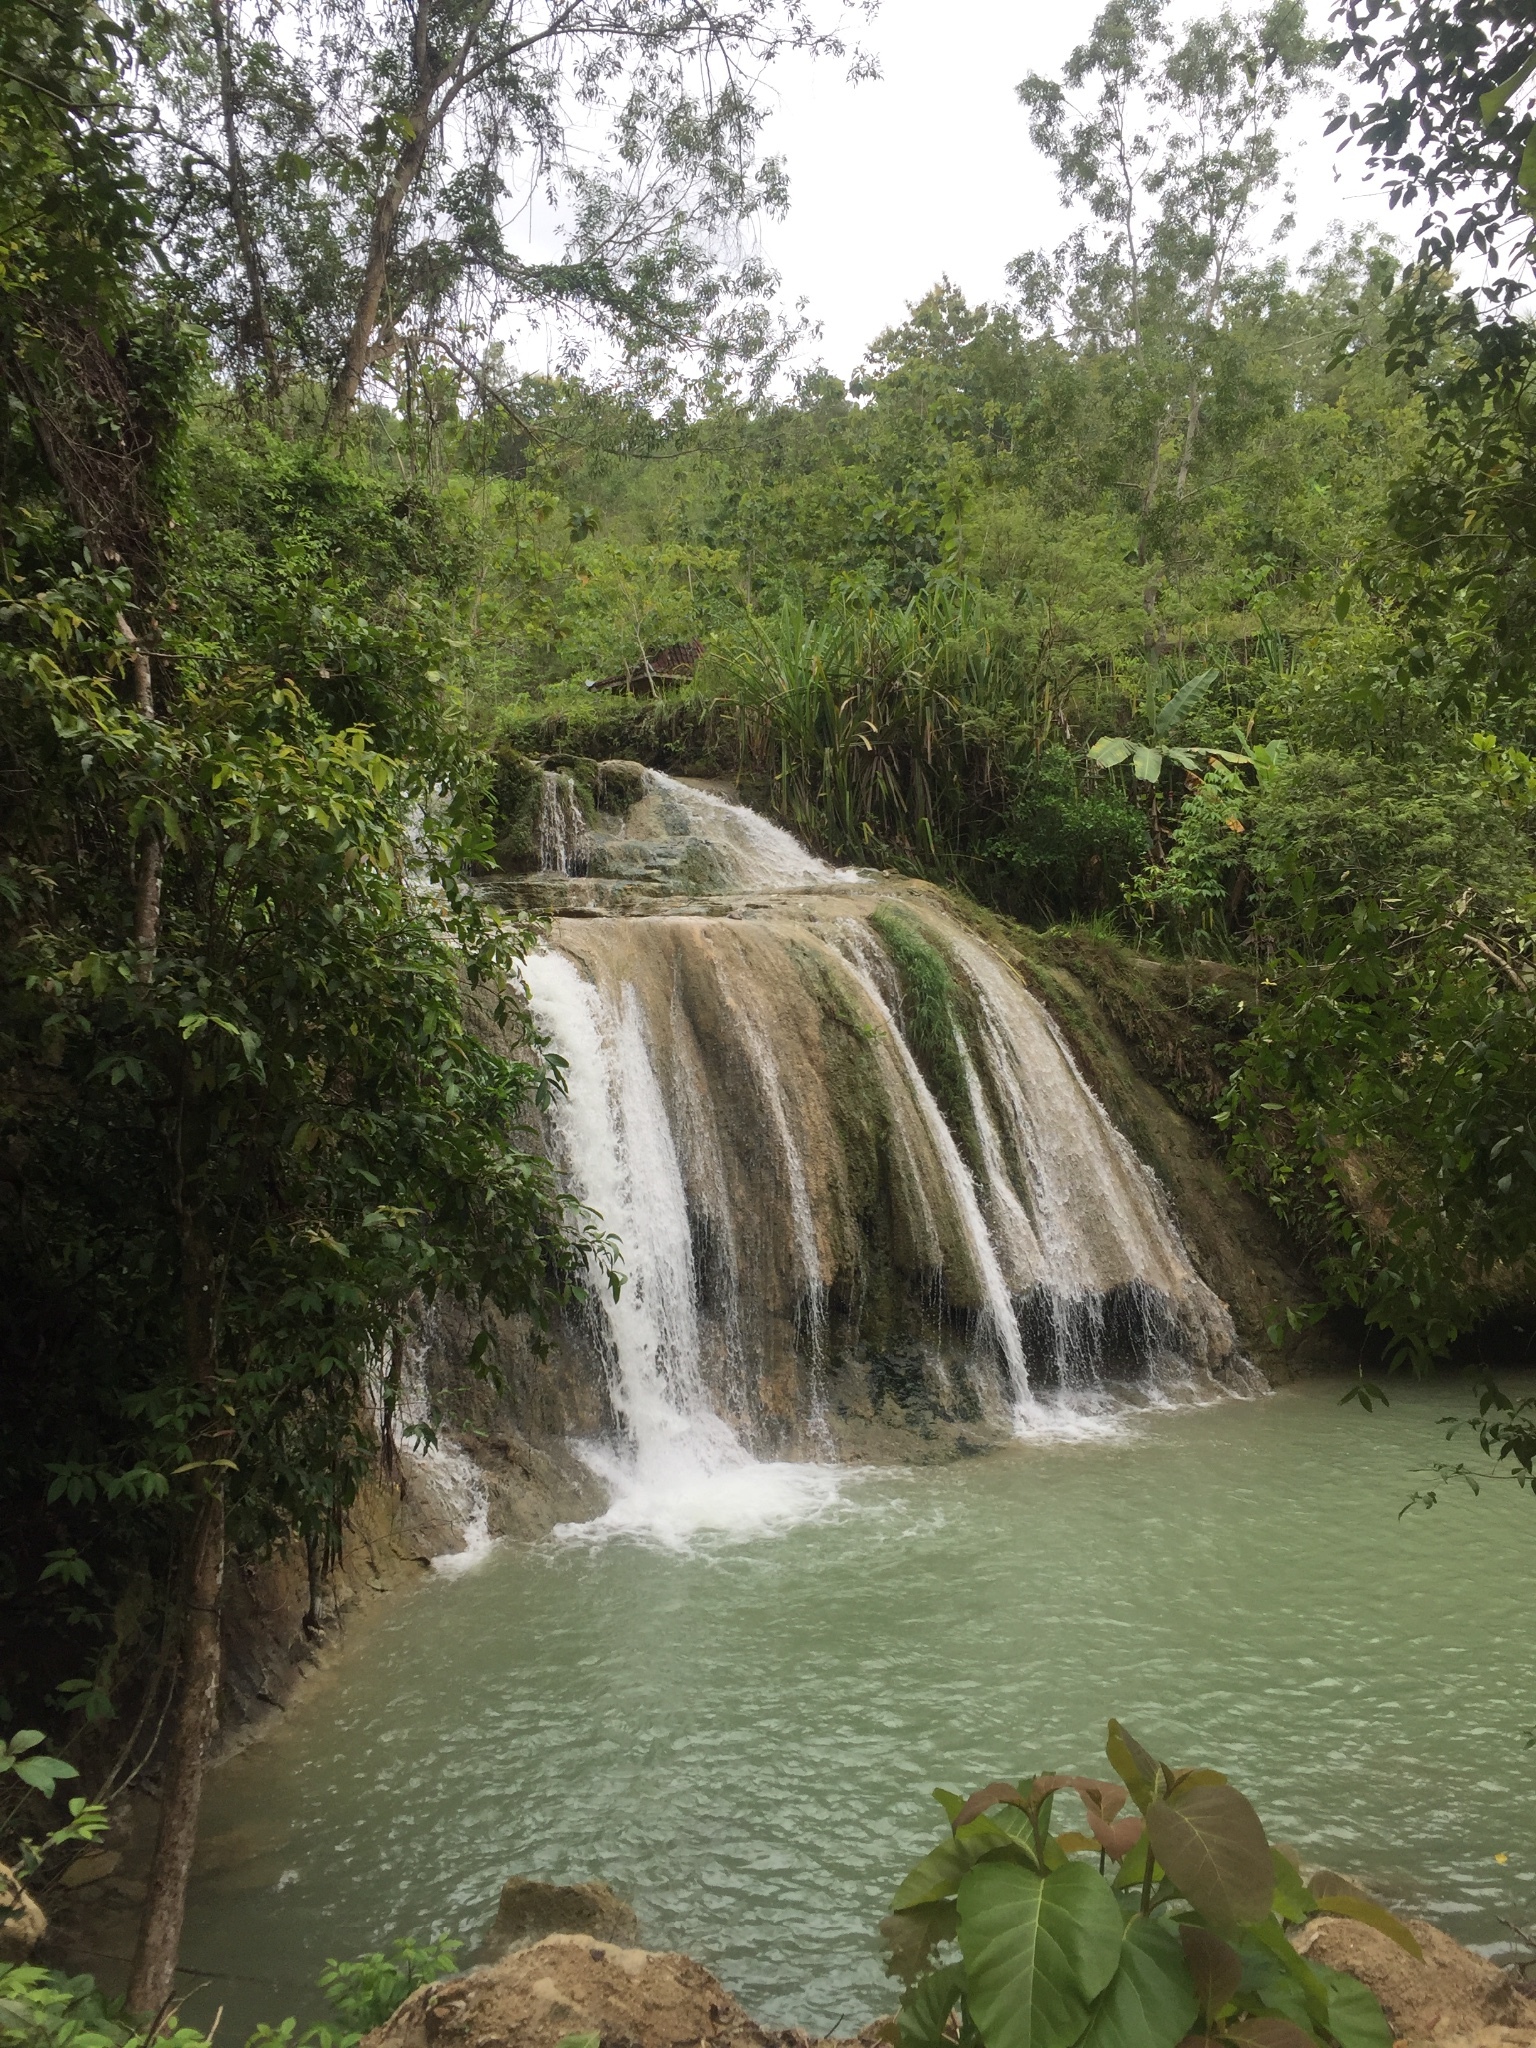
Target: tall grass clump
881 729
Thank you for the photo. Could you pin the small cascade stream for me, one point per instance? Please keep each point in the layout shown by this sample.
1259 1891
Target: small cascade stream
679 1464
817 1248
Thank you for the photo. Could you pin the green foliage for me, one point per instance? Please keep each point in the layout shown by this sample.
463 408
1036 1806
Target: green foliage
1141 1932
1418 833
42 1773
365 1992
42 2008
1383 1104
1198 884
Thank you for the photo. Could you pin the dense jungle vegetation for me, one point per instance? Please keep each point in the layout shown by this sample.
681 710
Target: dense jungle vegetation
1187 589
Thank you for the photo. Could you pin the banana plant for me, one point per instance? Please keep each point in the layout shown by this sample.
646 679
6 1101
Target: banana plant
1164 1927
1149 757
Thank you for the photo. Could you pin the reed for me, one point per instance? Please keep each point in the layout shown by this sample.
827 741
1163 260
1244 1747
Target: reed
890 735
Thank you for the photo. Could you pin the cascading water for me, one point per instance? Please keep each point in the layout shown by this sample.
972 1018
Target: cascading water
816 1246
680 1465
562 828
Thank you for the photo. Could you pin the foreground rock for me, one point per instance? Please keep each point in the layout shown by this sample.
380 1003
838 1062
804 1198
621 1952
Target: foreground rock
1453 1999
24 1923
570 1984
530 1909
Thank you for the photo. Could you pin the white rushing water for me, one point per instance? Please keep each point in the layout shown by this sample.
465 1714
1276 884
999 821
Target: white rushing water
756 853
680 1469
563 837
448 1470
700 1127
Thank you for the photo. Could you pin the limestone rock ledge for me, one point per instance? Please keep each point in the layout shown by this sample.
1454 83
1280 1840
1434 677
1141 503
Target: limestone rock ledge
571 1984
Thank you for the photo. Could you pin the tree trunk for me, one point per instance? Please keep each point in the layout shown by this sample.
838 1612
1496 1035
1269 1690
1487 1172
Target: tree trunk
1191 429
151 1986
152 1983
239 200
146 899
390 1405
148 853
381 241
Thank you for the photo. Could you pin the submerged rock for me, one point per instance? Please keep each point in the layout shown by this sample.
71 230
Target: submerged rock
530 1910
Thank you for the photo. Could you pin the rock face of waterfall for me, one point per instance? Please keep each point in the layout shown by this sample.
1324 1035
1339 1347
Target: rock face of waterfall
856 1174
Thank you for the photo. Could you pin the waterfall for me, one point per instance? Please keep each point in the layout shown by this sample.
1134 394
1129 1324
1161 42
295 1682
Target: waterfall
562 828
681 1467
816 1247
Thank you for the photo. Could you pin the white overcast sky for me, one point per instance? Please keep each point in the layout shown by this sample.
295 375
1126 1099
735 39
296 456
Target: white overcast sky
928 169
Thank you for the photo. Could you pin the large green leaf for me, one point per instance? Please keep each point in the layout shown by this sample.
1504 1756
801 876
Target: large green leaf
1349 1907
1149 2003
1354 2018
1038 1951
1146 763
921 2016
1212 1844
1291 1898
1136 1766
938 1874
1281 1979
1110 752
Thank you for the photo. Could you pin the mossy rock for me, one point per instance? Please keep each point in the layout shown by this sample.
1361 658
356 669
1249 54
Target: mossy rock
618 786
517 792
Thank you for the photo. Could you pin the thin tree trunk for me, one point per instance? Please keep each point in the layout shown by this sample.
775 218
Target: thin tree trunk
148 853
148 858
1191 429
239 199
381 241
393 1380
152 1983
153 1979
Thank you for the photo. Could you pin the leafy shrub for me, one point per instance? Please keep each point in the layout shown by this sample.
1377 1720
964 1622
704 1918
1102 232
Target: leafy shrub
1197 885
1150 1929
44 2009
1060 849
367 1990
1419 832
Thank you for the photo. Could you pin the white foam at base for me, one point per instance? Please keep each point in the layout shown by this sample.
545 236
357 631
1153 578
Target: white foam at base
672 1506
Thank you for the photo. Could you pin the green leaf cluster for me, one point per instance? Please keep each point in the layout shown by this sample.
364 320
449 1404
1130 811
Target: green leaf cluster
1152 1928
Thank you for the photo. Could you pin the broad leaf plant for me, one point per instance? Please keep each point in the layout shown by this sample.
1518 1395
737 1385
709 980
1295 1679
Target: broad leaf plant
1159 1927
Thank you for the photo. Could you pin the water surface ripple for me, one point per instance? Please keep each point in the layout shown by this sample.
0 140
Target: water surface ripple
742 1737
